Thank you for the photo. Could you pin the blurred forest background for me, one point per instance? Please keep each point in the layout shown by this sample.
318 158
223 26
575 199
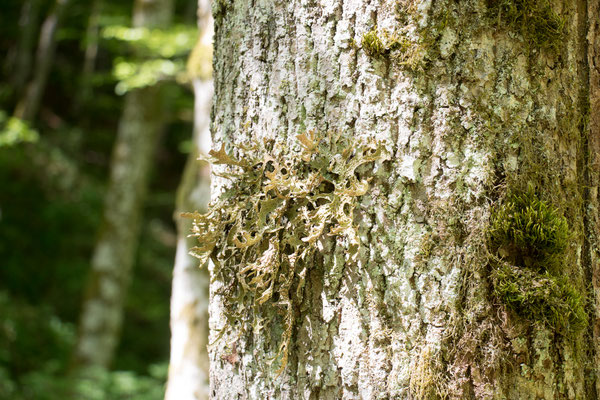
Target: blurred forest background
67 67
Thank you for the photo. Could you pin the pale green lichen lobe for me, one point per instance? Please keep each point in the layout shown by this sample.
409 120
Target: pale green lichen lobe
262 232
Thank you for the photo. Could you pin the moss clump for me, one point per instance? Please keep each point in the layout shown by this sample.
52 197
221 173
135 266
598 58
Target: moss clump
538 23
528 239
373 45
397 46
527 231
540 297
262 232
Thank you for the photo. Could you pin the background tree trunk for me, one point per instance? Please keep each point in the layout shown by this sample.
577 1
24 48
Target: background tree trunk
19 61
28 106
188 367
113 256
92 37
471 106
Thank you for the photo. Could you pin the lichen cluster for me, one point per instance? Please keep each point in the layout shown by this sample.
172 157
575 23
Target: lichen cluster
536 20
263 232
528 239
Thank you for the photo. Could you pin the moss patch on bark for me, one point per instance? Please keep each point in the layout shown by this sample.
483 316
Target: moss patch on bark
536 20
528 240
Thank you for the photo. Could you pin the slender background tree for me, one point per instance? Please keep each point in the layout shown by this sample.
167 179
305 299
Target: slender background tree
188 367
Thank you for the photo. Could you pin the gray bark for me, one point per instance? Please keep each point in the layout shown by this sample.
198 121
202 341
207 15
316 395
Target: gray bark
469 108
113 255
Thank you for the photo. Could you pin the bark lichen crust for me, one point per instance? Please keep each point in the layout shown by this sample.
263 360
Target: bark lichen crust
263 232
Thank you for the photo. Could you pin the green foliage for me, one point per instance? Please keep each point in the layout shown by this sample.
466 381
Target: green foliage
121 385
539 24
159 55
262 232
165 43
529 232
14 131
528 240
47 234
540 297
139 74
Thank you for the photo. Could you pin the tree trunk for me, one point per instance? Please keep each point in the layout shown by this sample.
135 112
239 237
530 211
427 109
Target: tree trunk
113 256
92 36
28 106
188 367
593 152
479 111
19 62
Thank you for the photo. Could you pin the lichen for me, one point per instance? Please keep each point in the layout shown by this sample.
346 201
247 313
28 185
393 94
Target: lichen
263 232
527 240
537 22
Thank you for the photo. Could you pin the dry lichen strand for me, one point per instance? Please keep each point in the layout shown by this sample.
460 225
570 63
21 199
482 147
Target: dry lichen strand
262 232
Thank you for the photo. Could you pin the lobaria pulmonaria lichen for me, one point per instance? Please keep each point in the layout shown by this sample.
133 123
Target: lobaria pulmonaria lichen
262 233
527 239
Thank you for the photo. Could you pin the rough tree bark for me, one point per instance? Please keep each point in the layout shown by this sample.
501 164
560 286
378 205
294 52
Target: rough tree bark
472 103
113 255
593 210
188 367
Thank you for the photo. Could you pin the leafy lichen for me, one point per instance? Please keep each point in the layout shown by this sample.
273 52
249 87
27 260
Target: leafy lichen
263 232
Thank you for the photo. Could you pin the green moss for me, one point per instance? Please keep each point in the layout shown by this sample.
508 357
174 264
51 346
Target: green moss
540 297
529 232
373 45
262 233
528 239
399 48
539 24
